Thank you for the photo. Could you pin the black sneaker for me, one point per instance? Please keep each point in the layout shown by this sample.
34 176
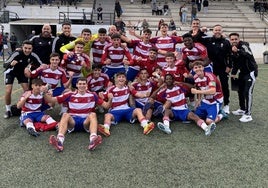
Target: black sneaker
33 132
8 114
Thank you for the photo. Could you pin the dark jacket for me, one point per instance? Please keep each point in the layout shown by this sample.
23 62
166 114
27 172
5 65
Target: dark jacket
205 3
219 51
60 41
243 60
42 46
23 61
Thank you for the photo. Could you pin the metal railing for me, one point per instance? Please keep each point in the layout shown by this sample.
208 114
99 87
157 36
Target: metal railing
6 16
76 17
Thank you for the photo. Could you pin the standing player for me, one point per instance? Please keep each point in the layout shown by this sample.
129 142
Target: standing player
243 60
15 66
42 44
74 61
218 48
165 43
98 46
113 57
195 51
64 38
141 51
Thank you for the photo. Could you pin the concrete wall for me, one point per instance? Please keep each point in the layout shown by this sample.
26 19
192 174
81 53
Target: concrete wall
46 12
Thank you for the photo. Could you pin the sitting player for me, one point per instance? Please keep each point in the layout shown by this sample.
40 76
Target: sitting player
30 103
120 108
80 115
179 109
144 86
53 76
114 57
209 95
98 81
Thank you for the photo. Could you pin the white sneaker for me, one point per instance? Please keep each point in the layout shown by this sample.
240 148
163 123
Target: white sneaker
226 109
163 128
238 112
246 118
211 128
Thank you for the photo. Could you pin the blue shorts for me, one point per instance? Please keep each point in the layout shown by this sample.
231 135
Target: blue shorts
58 91
139 104
132 73
125 114
209 111
180 114
79 124
112 71
74 81
156 104
34 116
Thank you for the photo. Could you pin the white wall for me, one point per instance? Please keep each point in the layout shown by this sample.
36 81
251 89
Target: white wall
46 12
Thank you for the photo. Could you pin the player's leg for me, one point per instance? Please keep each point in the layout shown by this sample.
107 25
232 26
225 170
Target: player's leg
9 80
105 128
91 124
165 125
147 126
66 122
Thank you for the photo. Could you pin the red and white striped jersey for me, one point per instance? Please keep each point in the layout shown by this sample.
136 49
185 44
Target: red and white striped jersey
167 43
198 52
209 81
78 104
144 89
97 84
120 97
52 77
74 63
97 50
33 103
140 49
177 98
116 55
176 71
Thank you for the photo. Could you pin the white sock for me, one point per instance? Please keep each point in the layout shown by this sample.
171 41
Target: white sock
92 135
204 126
8 107
106 125
61 138
144 122
220 116
50 120
30 125
166 123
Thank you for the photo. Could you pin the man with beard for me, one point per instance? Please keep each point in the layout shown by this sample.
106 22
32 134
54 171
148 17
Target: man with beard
218 48
64 38
244 62
42 44
15 66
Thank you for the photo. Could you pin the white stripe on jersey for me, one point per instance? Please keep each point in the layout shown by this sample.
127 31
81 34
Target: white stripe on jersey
177 98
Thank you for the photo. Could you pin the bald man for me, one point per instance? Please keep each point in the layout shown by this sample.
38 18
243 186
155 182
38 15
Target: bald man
42 43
